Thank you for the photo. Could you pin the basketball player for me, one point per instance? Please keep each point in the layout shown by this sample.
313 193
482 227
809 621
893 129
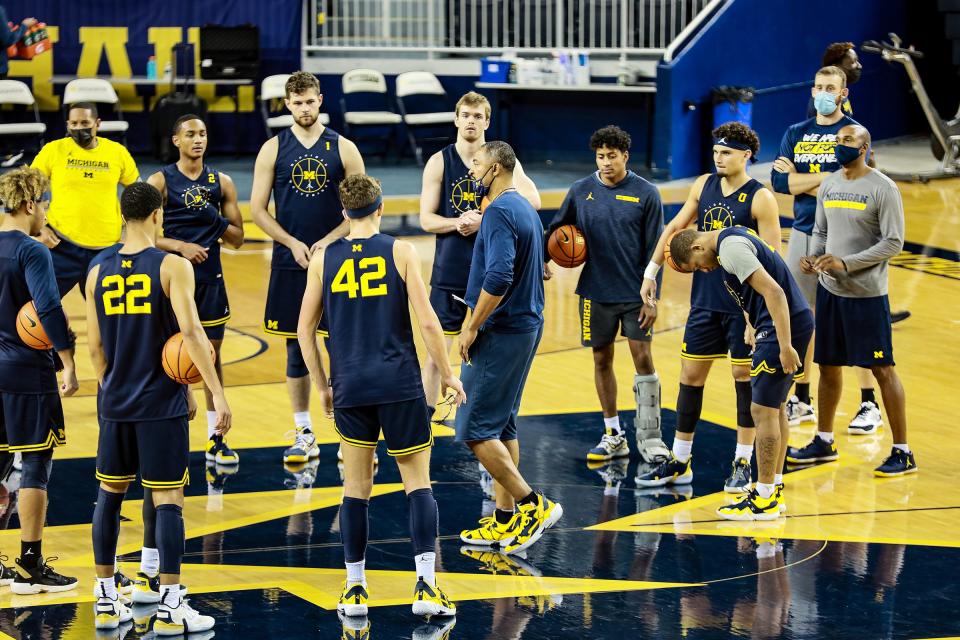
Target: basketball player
621 217
859 228
716 325
757 277
450 208
136 299
199 209
31 416
364 283
505 292
302 166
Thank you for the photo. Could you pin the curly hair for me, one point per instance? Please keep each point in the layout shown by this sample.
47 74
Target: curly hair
835 53
139 200
359 190
741 133
612 137
20 186
301 82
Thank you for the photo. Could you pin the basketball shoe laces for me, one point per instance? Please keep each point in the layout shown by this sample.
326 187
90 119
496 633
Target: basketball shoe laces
303 439
608 441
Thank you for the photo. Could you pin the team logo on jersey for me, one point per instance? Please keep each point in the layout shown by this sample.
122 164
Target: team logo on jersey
196 197
717 216
590 196
308 175
462 196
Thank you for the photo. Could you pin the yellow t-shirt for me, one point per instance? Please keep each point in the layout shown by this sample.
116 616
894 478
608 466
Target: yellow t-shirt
84 206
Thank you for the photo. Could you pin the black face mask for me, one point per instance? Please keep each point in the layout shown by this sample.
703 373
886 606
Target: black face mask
82 137
853 75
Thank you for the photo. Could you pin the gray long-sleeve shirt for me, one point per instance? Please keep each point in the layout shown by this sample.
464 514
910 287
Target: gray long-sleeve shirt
861 222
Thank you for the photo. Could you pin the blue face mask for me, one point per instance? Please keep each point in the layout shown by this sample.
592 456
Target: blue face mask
825 103
479 188
845 155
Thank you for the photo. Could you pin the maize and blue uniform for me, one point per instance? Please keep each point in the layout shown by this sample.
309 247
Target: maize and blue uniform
192 214
507 261
741 252
620 225
142 412
31 416
305 183
716 324
374 371
451 262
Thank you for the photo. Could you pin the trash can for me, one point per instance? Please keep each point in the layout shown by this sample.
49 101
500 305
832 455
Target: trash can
732 104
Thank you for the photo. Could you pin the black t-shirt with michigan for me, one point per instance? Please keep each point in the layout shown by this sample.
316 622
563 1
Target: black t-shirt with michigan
451 264
305 187
192 214
718 211
136 319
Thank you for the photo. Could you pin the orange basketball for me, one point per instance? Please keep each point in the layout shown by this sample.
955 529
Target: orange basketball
29 328
668 259
567 247
177 363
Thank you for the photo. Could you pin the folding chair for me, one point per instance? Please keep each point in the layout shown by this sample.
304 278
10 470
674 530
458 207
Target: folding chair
98 91
419 95
365 106
272 93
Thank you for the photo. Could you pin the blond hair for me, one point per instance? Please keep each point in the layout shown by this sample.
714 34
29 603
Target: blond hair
473 99
831 70
358 191
301 82
22 185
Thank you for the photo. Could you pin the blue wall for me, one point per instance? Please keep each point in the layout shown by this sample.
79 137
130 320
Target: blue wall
767 44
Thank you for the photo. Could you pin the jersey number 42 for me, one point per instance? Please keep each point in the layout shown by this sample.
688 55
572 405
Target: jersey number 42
346 279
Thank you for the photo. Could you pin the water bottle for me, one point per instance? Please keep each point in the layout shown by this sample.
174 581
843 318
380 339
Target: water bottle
152 68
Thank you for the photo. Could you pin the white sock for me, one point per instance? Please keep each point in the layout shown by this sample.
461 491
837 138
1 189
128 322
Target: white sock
765 490
116 566
105 587
744 451
425 567
778 478
355 572
612 426
302 419
682 449
211 423
903 447
612 490
150 561
826 436
165 589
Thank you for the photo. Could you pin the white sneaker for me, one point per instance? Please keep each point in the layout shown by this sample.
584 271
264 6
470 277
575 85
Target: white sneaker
800 412
180 618
866 421
610 447
110 614
304 447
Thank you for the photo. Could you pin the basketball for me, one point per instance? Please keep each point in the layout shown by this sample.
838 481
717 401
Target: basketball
177 363
567 247
30 329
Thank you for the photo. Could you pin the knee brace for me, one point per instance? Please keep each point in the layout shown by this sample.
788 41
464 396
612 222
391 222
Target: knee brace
744 398
296 367
689 406
37 466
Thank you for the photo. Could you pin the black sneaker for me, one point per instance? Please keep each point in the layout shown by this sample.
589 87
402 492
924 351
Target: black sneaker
739 480
817 451
670 471
124 584
899 316
899 463
7 574
40 579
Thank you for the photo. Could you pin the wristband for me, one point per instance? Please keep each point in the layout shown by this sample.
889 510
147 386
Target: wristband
650 273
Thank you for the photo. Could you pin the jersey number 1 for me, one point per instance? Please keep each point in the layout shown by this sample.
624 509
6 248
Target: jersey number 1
125 295
346 278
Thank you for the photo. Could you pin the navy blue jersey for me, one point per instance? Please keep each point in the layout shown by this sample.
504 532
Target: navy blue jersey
751 301
305 183
373 359
192 214
716 212
451 261
620 225
135 319
26 273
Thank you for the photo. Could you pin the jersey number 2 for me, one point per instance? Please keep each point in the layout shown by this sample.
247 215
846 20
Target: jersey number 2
125 295
346 278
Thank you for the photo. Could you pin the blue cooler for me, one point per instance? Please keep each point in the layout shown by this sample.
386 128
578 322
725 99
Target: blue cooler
495 70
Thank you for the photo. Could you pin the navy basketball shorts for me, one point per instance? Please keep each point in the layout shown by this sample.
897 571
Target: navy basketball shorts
853 332
494 380
213 307
769 384
159 449
284 297
70 264
450 311
710 335
405 424
600 322
799 246
31 422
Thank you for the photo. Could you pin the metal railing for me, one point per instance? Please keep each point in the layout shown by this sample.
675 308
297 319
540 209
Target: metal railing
479 26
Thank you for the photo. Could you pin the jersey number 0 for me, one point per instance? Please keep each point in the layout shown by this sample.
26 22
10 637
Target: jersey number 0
346 279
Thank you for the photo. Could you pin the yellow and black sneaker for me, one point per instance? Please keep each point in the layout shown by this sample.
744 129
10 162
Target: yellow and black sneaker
146 589
898 463
490 533
500 564
109 613
218 451
670 471
752 507
780 499
354 627
143 617
353 600
530 521
431 601
123 583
